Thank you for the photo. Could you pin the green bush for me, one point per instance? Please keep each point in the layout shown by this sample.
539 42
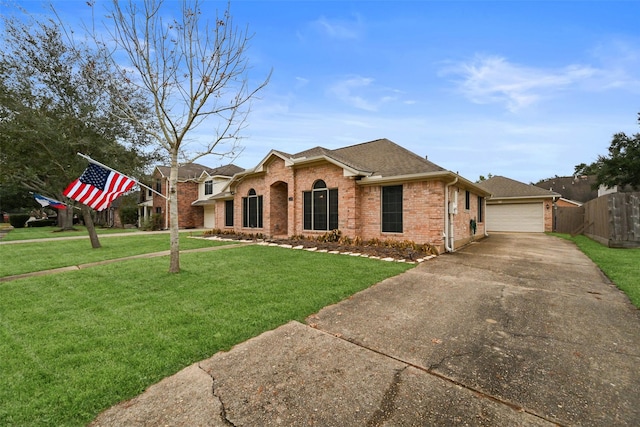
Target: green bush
129 215
153 223
18 220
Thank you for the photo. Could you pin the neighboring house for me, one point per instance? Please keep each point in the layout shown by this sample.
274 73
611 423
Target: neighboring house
196 185
566 203
577 188
515 206
373 190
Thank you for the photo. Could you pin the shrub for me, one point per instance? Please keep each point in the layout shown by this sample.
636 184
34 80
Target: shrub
153 223
18 220
129 215
330 236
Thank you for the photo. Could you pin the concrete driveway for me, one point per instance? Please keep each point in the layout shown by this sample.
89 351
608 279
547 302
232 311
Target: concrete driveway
518 329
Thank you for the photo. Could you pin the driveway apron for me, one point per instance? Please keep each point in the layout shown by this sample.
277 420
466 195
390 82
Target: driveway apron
517 329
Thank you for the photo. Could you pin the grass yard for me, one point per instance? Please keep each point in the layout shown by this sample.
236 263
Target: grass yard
54 232
26 257
622 266
73 344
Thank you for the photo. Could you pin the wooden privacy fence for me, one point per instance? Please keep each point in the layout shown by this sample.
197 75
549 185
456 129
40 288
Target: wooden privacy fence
568 219
613 220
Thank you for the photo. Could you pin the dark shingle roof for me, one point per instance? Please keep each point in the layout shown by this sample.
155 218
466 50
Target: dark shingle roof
380 157
576 188
194 170
500 186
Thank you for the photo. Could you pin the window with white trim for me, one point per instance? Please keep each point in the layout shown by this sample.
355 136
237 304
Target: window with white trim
320 207
252 210
208 188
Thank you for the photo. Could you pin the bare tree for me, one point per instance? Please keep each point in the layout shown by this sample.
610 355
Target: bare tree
195 73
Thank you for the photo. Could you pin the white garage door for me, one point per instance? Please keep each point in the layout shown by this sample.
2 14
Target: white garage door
209 216
523 217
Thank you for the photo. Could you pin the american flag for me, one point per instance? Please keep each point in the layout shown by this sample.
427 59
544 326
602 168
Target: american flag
98 187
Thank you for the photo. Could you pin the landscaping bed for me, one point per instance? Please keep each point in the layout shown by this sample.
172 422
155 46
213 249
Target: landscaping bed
335 241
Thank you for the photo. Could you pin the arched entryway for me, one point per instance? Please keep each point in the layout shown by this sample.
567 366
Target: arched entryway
279 209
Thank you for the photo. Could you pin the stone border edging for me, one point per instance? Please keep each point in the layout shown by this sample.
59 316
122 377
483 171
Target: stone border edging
315 249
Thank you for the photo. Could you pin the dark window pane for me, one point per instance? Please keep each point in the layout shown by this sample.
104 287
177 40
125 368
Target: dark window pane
319 184
333 209
306 222
320 210
253 212
245 212
392 209
228 213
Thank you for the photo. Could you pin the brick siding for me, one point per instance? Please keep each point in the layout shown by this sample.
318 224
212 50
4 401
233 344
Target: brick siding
188 216
359 206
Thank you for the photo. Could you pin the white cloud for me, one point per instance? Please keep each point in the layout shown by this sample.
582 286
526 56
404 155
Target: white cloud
493 79
361 93
339 29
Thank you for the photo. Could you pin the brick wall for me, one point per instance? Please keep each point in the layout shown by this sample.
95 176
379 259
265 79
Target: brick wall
462 221
275 186
359 206
422 220
548 216
188 216
333 176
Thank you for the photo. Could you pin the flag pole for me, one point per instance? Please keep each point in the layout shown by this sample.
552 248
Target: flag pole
84 156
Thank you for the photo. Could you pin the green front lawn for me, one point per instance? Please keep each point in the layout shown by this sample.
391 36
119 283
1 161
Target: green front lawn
19 258
73 344
622 266
29 233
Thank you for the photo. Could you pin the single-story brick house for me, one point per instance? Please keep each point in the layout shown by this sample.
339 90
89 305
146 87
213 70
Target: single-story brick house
516 206
196 184
373 190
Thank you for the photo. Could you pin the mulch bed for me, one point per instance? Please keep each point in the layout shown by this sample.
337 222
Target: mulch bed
381 251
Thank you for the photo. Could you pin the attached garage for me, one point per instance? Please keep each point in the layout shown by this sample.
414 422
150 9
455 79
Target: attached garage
518 207
209 216
520 217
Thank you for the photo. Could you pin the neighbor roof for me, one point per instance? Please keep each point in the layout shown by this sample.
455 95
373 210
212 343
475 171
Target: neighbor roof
502 187
193 171
577 188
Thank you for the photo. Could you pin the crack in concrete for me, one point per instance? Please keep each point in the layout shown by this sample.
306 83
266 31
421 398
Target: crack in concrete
432 372
447 357
387 406
223 410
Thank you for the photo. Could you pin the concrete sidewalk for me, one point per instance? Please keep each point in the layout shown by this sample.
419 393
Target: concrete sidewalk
519 329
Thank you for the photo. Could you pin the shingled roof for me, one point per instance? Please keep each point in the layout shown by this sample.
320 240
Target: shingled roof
578 188
192 171
380 157
502 187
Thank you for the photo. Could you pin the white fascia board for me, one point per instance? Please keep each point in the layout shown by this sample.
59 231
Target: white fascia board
493 200
377 179
347 171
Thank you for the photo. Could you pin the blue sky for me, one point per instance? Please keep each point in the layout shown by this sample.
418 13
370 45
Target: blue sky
521 89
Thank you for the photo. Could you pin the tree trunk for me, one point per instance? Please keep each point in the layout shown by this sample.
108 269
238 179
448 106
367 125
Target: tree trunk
174 263
65 218
88 222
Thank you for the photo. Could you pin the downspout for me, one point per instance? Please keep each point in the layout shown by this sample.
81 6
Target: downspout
484 202
166 206
447 217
